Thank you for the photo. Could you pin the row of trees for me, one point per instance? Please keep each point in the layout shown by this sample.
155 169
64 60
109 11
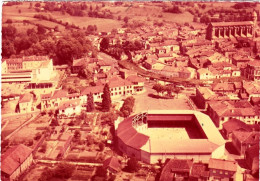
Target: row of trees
169 89
61 171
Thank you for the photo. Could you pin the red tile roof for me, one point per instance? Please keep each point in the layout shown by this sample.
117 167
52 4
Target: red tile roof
198 170
222 164
113 163
175 165
255 63
235 124
36 58
13 157
94 89
135 78
69 104
118 82
59 94
28 97
129 135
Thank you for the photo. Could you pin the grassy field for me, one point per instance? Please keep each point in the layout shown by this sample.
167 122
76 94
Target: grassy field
133 12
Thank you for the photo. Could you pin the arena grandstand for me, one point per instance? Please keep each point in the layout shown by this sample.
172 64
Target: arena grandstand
158 135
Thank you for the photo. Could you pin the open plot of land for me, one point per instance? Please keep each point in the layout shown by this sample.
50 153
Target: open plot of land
14 123
34 173
143 102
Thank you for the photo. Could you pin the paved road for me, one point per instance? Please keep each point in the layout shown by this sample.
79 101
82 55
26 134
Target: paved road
69 162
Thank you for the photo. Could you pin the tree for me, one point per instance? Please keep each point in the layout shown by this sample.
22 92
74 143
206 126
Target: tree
7 48
8 31
106 99
158 88
64 171
90 103
41 29
9 21
37 5
104 44
101 171
101 146
84 72
54 122
126 19
195 19
77 134
127 107
132 165
177 90
46 175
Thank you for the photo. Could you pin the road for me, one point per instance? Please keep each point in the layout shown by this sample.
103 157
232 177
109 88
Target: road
69 162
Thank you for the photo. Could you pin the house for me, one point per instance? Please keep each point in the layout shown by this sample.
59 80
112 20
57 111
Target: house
78 64
234 125
252 159
223 87
243 140
70 108
53 102
222 111
150 61
112 165
176 169
199 171
252 71
26 103
204 74
138 83
252 89
15 161
203 95
120 87
124 73
222 169
97 92
240 61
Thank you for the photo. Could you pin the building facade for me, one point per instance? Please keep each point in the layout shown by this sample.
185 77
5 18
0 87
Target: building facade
220 30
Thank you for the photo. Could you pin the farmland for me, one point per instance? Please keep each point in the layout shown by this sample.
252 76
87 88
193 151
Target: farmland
18 13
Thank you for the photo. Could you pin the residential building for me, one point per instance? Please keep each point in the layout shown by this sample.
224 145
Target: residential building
70 108
252 159
176 169
26 103
234 125
15 161
222 169
138 83
252 71
243 140
112 165
222 111
199 172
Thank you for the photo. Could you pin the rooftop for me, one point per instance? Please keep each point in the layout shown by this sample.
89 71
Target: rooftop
137 139
222 164
13 157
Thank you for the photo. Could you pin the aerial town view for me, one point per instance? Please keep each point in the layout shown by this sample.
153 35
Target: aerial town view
130 91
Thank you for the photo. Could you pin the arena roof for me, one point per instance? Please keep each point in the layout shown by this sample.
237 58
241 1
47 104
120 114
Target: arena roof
138 140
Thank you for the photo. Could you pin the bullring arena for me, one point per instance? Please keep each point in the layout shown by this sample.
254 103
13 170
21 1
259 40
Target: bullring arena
157 135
